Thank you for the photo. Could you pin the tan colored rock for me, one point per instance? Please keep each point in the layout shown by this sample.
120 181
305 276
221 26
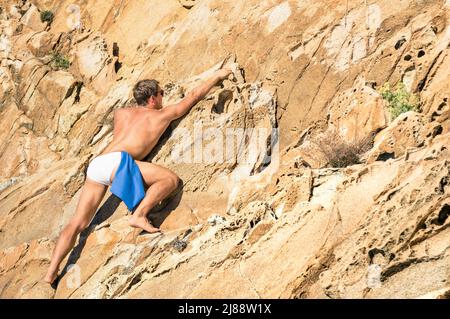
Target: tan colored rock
28 77
408 131
40 44
69 113
47 97
6 83
22 269
23 152
43 4
358 112
435 95
32 19
91 55
57 86
40 204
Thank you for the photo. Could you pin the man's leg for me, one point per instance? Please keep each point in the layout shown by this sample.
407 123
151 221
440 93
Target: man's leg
161 183
90 198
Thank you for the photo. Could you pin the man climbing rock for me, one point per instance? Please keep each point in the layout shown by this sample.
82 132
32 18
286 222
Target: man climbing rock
136 131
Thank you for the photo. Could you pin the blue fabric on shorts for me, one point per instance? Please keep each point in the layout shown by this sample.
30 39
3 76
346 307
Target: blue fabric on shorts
128 183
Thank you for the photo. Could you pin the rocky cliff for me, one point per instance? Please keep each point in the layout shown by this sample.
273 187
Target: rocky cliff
281 224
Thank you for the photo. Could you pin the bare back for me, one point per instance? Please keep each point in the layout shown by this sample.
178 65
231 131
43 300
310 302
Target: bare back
136 131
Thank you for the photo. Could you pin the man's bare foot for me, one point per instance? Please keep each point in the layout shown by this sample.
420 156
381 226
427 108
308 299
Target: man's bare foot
143 223
52 279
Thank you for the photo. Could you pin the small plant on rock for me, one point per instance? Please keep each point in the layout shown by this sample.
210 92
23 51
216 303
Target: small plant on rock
399 100
47 16
59 61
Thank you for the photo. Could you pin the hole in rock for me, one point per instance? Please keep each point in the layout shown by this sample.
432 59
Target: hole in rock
399 43
223 101
441 106
385 156
115 51
442 216
375 251
78 87
117 66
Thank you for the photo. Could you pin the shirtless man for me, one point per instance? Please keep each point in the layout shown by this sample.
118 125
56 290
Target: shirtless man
136 131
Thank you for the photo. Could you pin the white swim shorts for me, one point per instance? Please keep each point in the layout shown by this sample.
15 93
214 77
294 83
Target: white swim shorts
101 167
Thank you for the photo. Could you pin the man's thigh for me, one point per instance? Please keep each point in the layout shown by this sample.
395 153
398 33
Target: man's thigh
91 196
153 172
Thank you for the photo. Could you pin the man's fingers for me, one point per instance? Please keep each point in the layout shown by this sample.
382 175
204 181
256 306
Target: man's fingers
236 71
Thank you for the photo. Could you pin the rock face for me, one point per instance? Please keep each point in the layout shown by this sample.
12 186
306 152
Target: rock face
260 213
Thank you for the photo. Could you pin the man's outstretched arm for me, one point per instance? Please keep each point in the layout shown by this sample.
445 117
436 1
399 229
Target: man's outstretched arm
179 109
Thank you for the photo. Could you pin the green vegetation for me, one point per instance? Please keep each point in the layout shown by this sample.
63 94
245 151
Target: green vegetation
47 16
400 100
59 61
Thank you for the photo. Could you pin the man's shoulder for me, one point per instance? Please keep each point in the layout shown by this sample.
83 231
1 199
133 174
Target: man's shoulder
126 110
140 112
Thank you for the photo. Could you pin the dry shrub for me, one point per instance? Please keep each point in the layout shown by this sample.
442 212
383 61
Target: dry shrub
340 152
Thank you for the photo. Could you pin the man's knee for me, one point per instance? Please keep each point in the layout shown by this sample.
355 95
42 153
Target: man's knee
76 227
173 180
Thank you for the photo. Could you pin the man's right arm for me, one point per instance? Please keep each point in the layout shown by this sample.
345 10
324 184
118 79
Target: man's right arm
175 111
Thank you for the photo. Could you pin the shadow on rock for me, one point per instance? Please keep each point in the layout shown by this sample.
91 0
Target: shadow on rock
105 212
160 212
